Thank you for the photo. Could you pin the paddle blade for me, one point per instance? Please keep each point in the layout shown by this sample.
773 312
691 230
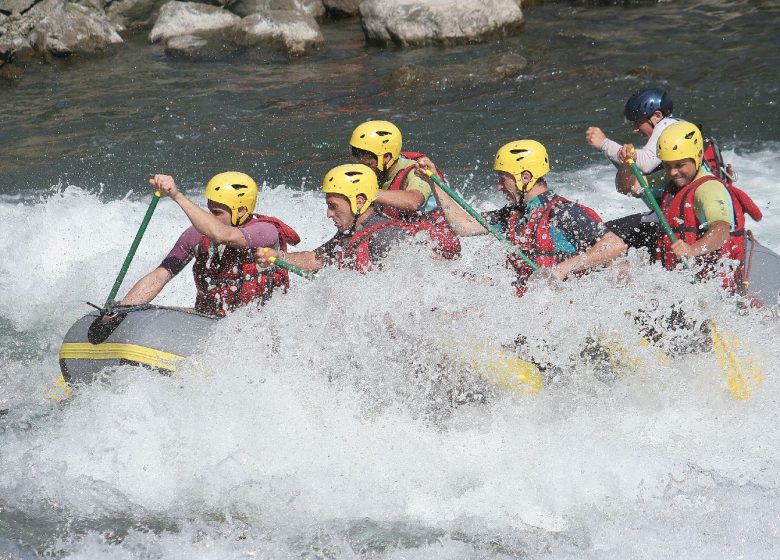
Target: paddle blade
60 390
743 376
507 371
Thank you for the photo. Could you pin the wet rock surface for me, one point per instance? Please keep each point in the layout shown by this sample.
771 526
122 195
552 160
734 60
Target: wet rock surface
340 8
295 33
438 22
190 18
54 28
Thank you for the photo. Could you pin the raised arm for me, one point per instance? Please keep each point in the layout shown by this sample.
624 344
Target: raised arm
205 222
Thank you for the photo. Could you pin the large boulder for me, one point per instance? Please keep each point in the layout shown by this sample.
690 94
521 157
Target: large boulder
56 27
190 18
71 28
16 7
342 7
134 13
313 8
430 22
294 32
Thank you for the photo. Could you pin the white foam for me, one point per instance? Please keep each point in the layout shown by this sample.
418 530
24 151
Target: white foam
323 421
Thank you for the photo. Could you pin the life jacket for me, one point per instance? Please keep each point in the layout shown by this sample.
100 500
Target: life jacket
714 159
535 239
680 211
447 244
354 253
229 278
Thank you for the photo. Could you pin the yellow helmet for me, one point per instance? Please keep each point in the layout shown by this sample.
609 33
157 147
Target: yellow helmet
523 155
681 140
379 138
234 190
350 180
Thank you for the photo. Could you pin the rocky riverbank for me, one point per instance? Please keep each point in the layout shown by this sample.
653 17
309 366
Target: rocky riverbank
44 29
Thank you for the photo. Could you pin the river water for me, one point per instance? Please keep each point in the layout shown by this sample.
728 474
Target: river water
322 426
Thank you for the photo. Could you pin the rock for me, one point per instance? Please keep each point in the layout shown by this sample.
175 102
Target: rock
644 72
295 32
428 22
134 13
342 7
15 7
313 8
70 28
190 18
188 46
10 72
411 76
510 65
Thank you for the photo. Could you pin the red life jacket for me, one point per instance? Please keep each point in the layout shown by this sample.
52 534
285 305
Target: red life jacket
536 241
231 280
680 211
355 253
720 169
447 244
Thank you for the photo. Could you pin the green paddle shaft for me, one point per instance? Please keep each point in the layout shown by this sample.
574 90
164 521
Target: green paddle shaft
292 268
654 204
474 214
651 200
129 258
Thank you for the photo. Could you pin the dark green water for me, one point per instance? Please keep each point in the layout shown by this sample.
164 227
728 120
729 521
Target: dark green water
110 121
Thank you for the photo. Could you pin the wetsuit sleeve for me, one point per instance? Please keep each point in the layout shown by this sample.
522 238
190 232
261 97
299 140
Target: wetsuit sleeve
578 226
381 243
260 234
183 251
713 204
498 218
328 251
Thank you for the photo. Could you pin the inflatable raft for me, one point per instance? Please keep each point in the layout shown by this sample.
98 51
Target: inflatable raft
763 272
147 335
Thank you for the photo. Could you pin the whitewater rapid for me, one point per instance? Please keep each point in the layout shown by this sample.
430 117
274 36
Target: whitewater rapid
322 425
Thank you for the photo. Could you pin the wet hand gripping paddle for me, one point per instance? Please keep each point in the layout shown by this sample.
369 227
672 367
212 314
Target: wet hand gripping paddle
742 379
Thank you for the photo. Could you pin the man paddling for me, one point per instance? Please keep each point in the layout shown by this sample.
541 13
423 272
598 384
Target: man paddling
222 241
553 232
706 214
363 237
649 110
402 194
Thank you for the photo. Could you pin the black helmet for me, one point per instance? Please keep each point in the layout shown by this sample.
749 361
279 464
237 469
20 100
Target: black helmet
647 101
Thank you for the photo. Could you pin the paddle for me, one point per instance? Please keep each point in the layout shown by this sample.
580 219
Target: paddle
474 214
291 268
121 276
740 380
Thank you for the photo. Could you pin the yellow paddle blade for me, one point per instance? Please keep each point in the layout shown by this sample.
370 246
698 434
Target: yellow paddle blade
743 377
60 390
506 370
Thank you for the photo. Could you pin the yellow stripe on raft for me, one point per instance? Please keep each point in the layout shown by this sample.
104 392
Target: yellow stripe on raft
119 351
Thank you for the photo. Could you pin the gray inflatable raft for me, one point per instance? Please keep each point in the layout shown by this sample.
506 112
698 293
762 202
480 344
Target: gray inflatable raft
148 335
763 272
